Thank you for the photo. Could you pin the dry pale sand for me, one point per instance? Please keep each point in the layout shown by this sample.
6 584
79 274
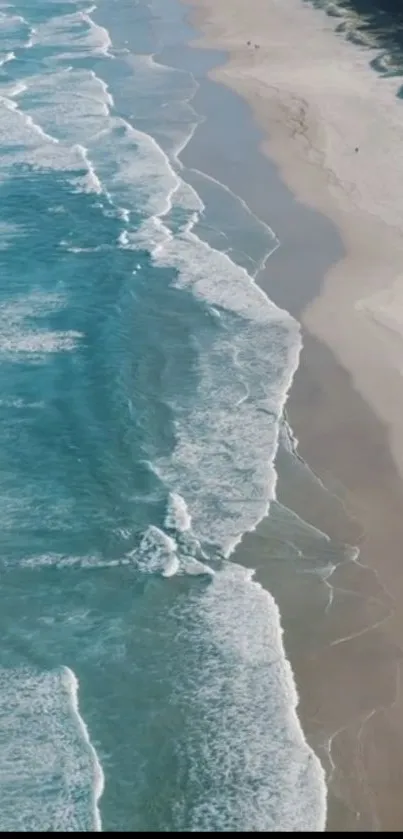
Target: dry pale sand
317 98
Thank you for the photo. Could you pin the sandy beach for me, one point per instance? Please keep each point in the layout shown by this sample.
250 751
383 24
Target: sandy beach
334 128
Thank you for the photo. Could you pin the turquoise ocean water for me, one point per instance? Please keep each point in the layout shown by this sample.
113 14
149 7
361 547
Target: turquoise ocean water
143 375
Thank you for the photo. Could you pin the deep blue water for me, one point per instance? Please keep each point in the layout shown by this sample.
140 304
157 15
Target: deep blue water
143 375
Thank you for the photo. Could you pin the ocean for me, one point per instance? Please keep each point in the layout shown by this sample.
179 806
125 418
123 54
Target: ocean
143 378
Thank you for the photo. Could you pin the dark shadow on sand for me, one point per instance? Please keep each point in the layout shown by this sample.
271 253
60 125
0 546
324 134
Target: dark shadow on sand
379 23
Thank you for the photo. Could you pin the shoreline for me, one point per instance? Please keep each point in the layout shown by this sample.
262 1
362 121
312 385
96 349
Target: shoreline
371 240
344 406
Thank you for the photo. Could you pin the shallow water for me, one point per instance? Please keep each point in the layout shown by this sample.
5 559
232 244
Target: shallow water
143 376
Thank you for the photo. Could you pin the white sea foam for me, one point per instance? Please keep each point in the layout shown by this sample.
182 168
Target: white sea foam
20 403
28 144
177 517
136 170
17 89
50 777
221 451
246 695
157 552
18 335
72 685
160 553
26 131
94 184
70 103
9 233
101 41
195 568
8 56
76 35
54 560
171 567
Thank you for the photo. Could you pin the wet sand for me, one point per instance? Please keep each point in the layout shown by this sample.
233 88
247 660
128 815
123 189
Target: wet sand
346 402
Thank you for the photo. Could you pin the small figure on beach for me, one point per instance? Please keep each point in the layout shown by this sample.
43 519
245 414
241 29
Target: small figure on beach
248 43
257 46
356 149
